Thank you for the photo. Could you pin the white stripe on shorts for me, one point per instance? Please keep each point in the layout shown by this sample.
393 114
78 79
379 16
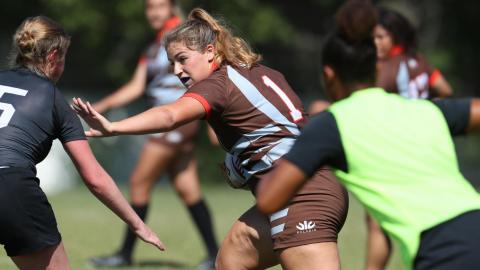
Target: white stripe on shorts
280 214
277 229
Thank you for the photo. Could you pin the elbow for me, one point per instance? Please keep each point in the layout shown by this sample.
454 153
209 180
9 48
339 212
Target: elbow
446 92
169 121
95 182
265 202
265 207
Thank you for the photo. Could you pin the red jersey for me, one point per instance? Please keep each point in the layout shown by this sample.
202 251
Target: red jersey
255 114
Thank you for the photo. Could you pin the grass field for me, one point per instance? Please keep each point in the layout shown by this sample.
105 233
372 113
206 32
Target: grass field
89 229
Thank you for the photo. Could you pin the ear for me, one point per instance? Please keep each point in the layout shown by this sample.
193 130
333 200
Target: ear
210 51
328 73
53 56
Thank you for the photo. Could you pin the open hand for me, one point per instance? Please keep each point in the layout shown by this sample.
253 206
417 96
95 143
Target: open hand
148 236
99 125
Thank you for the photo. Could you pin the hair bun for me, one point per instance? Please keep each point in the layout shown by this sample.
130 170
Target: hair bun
356 20
25 41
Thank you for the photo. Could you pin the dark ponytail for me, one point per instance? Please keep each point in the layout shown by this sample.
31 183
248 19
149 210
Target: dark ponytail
350 50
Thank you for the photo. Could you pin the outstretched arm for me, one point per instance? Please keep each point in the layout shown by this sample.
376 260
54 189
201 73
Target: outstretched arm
103 187
158 119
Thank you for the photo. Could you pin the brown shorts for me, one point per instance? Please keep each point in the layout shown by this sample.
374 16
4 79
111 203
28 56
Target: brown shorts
316 214
181 138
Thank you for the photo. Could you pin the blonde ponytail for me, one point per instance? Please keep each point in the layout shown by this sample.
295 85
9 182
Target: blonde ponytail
201 29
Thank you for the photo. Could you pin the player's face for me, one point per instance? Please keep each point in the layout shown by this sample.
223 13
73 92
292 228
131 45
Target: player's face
191 66
158 12
383 41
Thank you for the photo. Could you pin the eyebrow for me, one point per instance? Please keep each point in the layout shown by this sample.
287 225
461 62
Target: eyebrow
175 56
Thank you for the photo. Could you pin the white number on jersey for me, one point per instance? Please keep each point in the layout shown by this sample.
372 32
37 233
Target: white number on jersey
7 108
294 112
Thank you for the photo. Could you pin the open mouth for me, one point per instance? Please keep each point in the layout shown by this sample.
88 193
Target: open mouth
185 80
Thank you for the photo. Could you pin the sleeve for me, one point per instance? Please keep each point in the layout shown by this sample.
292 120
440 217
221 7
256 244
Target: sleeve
456 113
142 60
318 145
67 124
433 77
211 93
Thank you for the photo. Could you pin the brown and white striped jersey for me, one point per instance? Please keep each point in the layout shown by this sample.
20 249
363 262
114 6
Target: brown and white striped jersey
408 76
255 114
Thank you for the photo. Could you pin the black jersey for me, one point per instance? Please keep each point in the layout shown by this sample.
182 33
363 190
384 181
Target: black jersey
33 114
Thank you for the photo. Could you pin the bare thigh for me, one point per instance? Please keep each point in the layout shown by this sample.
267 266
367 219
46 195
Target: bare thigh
248 244
184 175
153 162
318 256
51 258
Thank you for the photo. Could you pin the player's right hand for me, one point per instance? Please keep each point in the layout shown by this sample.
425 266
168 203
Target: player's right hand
99 125
148 236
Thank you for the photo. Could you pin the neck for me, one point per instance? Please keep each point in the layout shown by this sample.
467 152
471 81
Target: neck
355 87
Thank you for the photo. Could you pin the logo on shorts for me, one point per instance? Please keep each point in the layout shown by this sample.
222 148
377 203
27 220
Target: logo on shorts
306 226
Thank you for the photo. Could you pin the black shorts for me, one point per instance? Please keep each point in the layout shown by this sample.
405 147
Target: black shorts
27 222
451 245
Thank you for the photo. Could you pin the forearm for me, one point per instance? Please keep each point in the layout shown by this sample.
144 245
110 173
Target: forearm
104 188
441 88
100 183
474 123
275 191
154 120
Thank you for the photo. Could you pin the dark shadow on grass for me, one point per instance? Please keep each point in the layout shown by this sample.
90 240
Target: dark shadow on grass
162 264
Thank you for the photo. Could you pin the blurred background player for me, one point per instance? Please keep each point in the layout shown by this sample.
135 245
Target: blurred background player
257 117
396 156
400 69
34 113
170 152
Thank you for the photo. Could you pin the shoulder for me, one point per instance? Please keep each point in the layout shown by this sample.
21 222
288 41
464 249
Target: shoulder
321 118
266 70
25 79
216 79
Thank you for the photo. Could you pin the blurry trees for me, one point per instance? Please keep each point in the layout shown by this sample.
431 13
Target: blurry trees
108 36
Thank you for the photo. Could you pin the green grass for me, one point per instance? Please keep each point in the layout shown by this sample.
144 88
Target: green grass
89 229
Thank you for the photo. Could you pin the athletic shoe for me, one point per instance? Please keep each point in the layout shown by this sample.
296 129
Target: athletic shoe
207 264
114 260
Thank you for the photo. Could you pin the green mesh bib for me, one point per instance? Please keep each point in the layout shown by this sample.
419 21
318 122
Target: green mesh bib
402 164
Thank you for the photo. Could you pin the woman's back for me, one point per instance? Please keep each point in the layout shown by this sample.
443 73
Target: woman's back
35 113
418 165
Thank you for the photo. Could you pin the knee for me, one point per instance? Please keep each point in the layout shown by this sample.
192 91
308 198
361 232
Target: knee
228 260
238 249
139 193
190 194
